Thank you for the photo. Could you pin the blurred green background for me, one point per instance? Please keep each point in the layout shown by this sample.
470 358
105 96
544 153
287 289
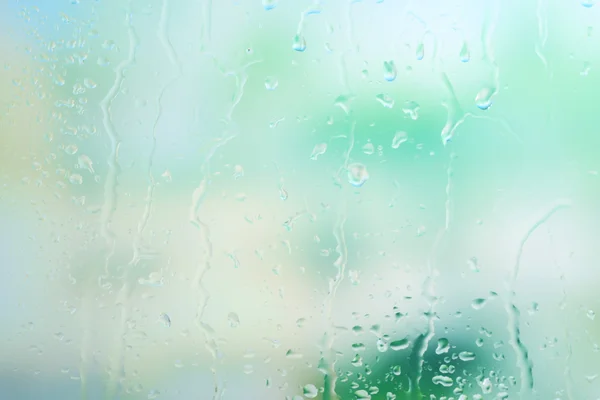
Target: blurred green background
277 199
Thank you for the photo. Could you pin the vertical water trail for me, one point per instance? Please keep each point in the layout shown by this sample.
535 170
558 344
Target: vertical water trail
489 26
340 265
110 195
567 372
523 361
421 343
172 56
198 195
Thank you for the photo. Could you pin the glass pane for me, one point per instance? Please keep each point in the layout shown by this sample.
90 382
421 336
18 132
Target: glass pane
276 199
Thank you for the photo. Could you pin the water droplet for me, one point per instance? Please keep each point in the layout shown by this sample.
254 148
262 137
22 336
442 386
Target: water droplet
465 53
411 108
382 345
354 277
588 3
466 356
85 162
76 179
483 100
300 322
478 304
368 148
401 344
299 43
389 71
271 83
420 52
319 149
310 391
396 370
238 172
591 314
233 319
443 346
293 355
165 320
357 174
153 394
399 138
283 194
443 380
269 4
362 395
71 149
385 100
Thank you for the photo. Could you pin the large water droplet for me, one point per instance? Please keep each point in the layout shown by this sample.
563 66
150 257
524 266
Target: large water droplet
368 148
399 138
299 43
588 3
357 174
443 346
389 71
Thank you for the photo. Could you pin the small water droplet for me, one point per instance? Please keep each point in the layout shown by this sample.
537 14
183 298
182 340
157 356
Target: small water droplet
382 345
310 391
362 395
76 179
483 100
269 4
396 370
401 344
233 319
591 314
478 304
466 356
420 52
411 108
465 53
319 149
165 320
357 174
399 138
385 100
368 148
299 43
85 162
389 71
71 149
443 380
271 83
153 394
